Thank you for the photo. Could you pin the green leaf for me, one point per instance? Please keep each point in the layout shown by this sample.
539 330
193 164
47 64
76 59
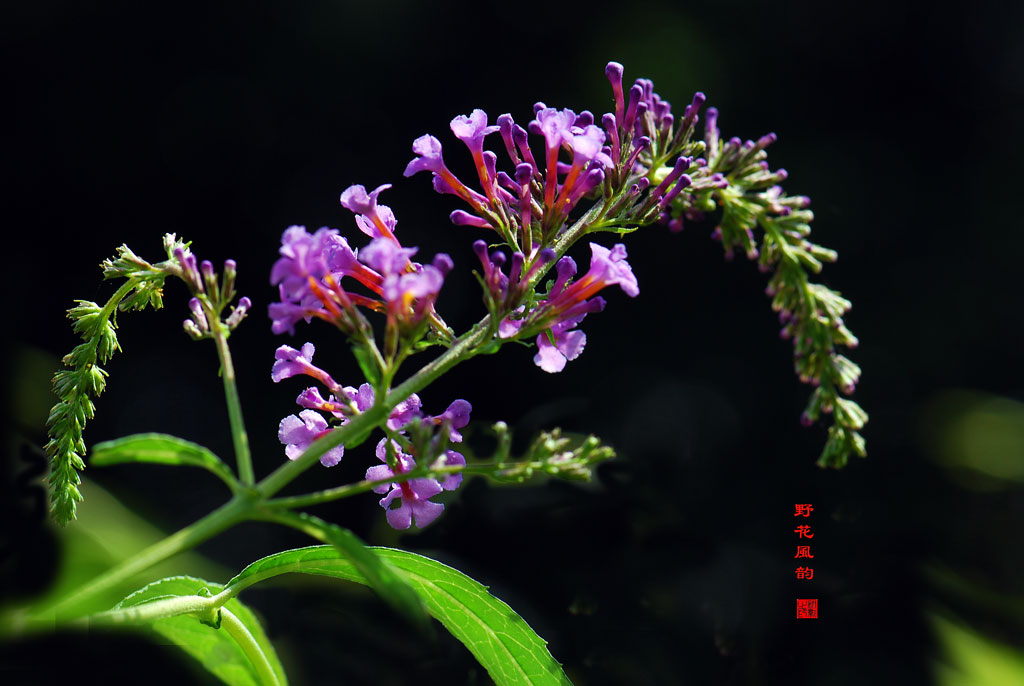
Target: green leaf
217 649
377 573
512 653
161 449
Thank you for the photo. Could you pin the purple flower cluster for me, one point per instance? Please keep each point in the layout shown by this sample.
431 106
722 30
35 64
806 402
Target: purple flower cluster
309 272
529 207
298 432
414 494
536 199
414 504
568 303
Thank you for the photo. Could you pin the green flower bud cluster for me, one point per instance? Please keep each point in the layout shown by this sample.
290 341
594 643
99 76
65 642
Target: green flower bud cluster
567 457
85 379
769 226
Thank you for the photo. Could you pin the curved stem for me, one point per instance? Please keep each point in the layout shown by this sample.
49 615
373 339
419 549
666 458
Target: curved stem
234 511
236 629
157 609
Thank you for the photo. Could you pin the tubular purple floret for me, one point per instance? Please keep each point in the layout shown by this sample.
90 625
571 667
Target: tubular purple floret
584 119
519 135
681 165
443 263
515 271
524 172
189 271
463 218
209 278
639 145
505 126
766 140
490 164
612 129
565 270
238 314
683 182
666 121
543 257
640 124
480 249
690 114
634 99
662 110
590 181
196 308
711 133
614 72
506 182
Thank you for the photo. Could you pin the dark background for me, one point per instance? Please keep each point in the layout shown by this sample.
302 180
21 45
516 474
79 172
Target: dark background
228 123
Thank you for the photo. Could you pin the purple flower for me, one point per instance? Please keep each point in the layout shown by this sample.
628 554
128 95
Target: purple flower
291 362
356 199
311 399
386 257
607 268
555 126
413 495
298 433
567 305
285 315
454 418
429 150
410 290
374 220
567 343
471 130
302 256
404 412
363 397
307 276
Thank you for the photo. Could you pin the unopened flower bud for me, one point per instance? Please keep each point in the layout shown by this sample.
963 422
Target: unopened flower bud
192 330
238 314
198 315
228 282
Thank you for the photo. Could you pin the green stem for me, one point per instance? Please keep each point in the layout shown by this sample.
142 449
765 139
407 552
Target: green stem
238 434
236 629
115 299
234 511
157 609
339 492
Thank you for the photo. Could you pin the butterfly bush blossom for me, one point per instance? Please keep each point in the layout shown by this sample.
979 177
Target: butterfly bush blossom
536 191
567 175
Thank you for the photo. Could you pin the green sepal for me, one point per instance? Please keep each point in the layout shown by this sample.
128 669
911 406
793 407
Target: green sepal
156 448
